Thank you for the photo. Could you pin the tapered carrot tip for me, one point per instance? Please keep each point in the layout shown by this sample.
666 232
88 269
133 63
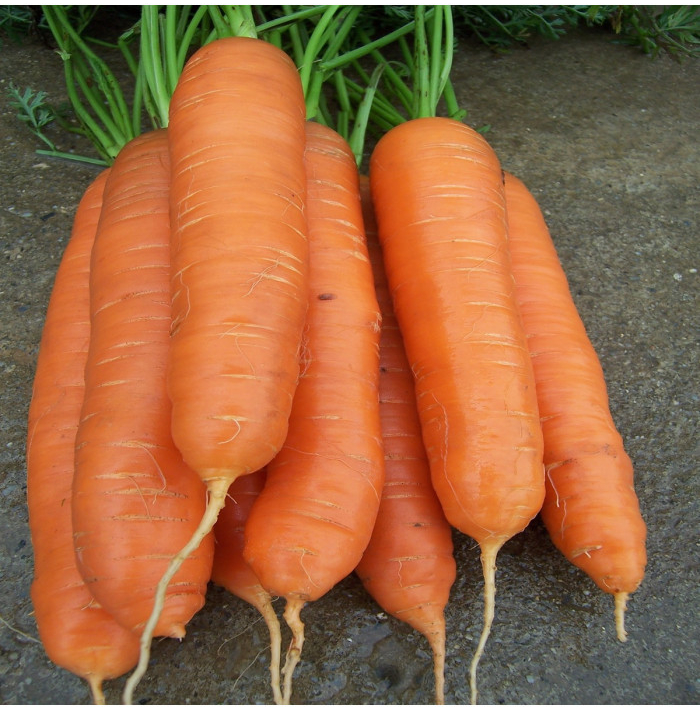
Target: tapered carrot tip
489 550
620 608
437 645
273 627
292 615
98 696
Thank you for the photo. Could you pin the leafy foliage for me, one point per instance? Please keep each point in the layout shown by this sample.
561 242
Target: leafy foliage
336 47
674 29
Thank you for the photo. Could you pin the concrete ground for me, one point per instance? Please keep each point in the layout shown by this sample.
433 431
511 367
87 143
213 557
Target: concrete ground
607 140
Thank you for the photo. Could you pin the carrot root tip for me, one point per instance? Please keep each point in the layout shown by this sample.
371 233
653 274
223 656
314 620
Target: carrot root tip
273 627
620 608
437 645
98 696
217 490
488 564
293 619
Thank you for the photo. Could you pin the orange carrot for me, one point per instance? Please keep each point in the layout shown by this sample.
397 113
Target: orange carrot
135 502
231 571
309 526
590 508
408 566
239 268
76 633
438 195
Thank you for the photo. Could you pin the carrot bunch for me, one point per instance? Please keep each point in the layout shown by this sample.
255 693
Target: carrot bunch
261 370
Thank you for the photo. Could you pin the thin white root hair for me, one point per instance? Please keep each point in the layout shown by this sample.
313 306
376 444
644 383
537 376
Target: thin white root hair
217 490
620 608
98 696
292 616
489 551
273 626
437 645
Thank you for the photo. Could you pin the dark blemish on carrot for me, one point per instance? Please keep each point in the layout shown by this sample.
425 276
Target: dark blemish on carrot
327 296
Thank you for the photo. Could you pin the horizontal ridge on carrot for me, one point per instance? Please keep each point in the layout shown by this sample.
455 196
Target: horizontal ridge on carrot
135 502
438 195
75 631
238 271
590 510
312 521
408 566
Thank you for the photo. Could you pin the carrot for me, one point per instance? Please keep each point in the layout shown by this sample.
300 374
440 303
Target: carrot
590 510
309 526
135 502
76 633
231 571
438 194
408 566
239 269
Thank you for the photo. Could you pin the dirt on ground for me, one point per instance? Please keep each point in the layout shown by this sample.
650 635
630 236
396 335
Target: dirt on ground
607 140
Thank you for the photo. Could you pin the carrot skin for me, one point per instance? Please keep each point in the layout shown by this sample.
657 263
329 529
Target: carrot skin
230 569
590 510
75 631
309 526
311 523
408 566
135 502
438 194
239 269
240 254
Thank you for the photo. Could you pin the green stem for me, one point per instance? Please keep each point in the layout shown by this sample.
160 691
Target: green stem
360 52
71 156
346 25
421 87
217 18
170 45
381 107
407 55
357 137
446 69
435 56
290 17
187 38
451 103
296 39
151 58
313 48
74 48
402 91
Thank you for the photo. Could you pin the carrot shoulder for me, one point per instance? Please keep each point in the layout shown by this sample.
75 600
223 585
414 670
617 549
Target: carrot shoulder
309 526
239 268
408 566
135 502
590 510
76 633
438 195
